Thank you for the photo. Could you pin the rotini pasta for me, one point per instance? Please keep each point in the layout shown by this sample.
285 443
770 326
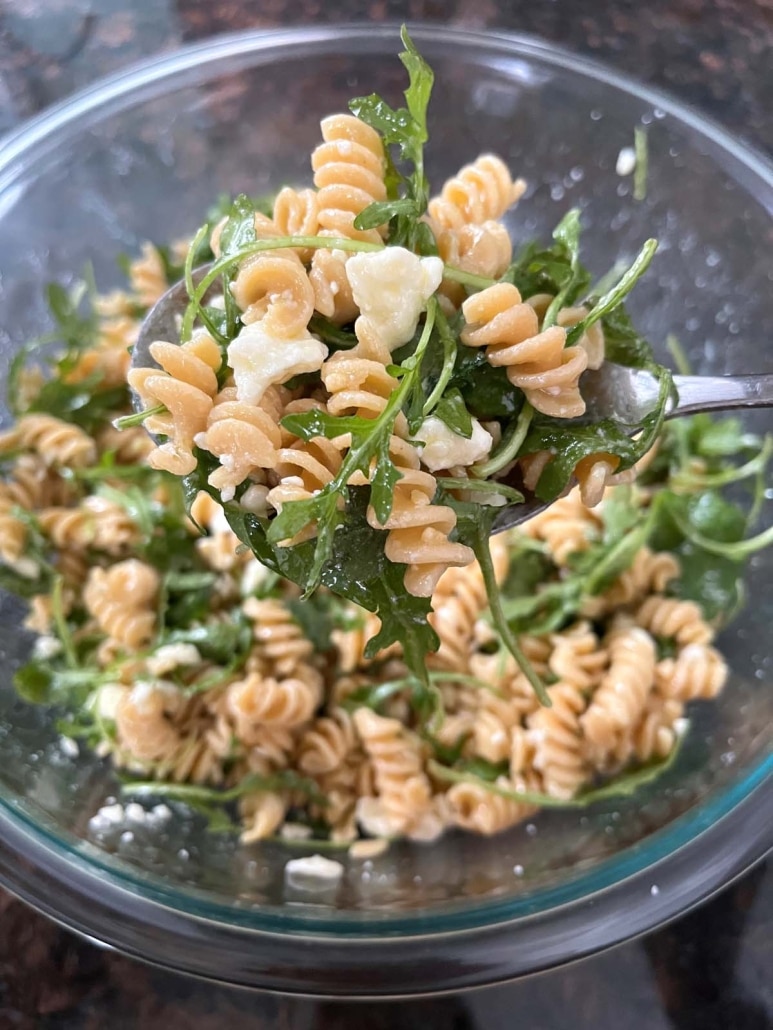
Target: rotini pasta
537 362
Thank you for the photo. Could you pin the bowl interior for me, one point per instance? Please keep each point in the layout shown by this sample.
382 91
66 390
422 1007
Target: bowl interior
144 160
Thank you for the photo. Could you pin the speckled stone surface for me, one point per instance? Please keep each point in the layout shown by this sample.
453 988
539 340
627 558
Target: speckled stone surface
710 970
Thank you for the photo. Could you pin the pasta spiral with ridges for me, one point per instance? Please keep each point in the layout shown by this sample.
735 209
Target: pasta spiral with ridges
556 737
680 620
536 362
122 600
479 192
147 276
566 527
186 385
143 724
578 658
56 442
265 700
697 672
326 743
622 695
418 529
244 437
474 808
279 639
403 789
296 213
349 174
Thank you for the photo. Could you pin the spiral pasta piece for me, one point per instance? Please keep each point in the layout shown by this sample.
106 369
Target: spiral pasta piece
143 724
296 213
327 743
264 700
479 192
272 287
474 808
556 736
303 469
147 276
56 442
349 175
698 672
621 697
656 733
458 600
122 600
649 572
262 814
484 250
539 363
566 527
403 790
186 387
577 657
280 641
668 617
418 529
244 437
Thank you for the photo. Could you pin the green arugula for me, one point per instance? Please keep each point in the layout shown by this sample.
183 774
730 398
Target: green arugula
625 784
406 129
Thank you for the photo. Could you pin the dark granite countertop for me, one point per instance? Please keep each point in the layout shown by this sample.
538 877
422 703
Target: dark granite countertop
712 969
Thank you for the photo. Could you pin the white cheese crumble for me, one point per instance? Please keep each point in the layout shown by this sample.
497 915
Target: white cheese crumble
46 647
442 447
299 871
391 288
626 161
254 575
254 499
106 700
172 656
259 360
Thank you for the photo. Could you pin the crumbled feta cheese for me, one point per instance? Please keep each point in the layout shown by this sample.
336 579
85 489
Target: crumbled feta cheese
46 647
295 831
254 499
391 288
259 359
442 447
106 700
299 871
144 690
172 656
25 567
626 161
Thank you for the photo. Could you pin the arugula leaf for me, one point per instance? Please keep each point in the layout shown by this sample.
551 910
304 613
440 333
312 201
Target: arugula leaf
219 642
316 618
406 129
485 389
357 569
452 410
47 682
625 784
622 343
191 793
82 403
482 769
25 586
335 336
569 442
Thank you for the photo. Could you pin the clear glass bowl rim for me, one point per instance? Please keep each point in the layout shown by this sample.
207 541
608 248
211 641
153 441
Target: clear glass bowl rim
742 813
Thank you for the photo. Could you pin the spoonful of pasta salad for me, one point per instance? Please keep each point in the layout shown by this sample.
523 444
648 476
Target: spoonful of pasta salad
371 383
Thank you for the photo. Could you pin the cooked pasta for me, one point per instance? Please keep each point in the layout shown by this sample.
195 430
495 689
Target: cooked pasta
56 442
339 421
539 363
622 694
418 529
480 192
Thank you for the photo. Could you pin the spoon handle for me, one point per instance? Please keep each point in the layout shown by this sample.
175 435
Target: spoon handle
717 393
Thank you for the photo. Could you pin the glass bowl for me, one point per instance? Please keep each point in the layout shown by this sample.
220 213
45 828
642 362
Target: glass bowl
143 155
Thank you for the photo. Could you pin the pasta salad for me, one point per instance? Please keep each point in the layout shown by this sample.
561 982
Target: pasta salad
285 606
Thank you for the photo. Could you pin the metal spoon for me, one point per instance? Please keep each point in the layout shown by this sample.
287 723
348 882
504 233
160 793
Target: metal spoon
613 391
